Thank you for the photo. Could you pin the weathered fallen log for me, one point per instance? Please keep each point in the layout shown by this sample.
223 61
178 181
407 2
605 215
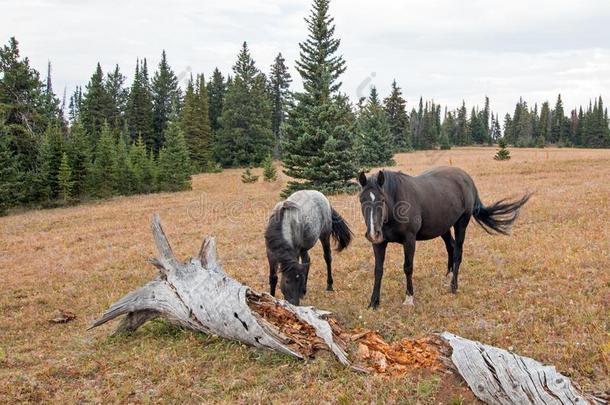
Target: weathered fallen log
199 295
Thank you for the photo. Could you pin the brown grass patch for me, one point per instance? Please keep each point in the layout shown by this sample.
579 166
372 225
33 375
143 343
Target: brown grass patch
544 291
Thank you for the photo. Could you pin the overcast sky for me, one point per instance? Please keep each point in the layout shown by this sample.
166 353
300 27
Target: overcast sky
446 50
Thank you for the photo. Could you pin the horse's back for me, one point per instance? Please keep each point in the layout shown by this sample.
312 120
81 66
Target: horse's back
443 195
310 218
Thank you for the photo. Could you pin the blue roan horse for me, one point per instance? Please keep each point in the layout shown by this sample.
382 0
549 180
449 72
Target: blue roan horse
294 227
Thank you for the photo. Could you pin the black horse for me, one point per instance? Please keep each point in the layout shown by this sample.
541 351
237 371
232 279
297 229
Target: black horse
403 209
295 225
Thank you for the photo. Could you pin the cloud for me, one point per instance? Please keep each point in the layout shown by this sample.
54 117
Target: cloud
442 49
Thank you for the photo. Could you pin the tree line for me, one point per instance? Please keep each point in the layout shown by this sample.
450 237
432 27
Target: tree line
118 139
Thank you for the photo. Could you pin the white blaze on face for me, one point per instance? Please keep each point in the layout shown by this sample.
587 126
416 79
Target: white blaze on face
371 223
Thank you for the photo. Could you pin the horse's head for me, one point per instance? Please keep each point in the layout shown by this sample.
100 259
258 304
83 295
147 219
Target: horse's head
293 282
373 201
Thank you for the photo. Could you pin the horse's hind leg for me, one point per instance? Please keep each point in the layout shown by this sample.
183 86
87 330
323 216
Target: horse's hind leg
449 244
328 259
460 233
409 250
272 274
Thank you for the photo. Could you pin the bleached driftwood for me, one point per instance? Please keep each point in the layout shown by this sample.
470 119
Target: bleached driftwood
200 296
497 376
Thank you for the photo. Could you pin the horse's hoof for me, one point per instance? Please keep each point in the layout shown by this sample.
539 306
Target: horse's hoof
408 301
330 288
373 306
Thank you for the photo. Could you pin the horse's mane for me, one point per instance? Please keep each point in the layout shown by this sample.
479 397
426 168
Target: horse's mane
274 238
393 181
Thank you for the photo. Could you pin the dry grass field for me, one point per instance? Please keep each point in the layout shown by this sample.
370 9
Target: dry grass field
543 292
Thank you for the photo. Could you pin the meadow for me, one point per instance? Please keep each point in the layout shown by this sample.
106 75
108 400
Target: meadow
543 292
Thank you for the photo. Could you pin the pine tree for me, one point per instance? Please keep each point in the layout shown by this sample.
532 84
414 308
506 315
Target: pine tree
49 160
269 171
317 151
195 125
76 102
496 131
64 179
245 137
140 108
279 82
165 96
174 168
216 92
11 176
79 155
122 171
143 167
118 95
395 107
22 106
462 136
373 144
247 176
558 123
96 106
503 153
101 180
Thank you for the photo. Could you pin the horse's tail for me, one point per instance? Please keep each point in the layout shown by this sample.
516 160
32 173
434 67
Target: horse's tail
340 231
500 216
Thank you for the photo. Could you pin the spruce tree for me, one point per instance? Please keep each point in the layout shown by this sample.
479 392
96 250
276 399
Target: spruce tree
143 167
217 88
373 143
558 123
395 107
101 180
96 105
64 179
79 155
195 125
118 94
140 108
279 82
11 176
22 105
245 137
122 170
174 168
165 96
269 171
503 153
49 160
317 150
461 136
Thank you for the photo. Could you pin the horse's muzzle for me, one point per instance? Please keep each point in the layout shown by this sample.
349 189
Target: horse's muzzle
377 238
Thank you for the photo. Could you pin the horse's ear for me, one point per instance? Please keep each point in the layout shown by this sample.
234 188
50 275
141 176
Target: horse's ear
362 179
380 178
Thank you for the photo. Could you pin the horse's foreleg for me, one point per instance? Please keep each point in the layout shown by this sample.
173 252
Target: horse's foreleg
449 244
409 250
272 274
328 259
305 260
460 233
379 251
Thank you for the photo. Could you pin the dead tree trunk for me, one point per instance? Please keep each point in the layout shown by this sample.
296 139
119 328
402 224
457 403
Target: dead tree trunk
200 296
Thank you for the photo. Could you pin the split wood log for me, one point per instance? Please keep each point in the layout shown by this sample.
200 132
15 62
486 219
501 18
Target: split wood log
199 295
497 376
